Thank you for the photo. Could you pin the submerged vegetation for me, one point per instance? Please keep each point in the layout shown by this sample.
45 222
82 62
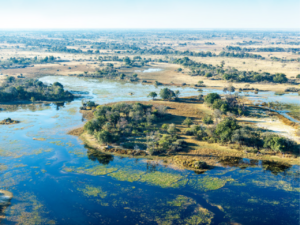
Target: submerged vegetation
227 181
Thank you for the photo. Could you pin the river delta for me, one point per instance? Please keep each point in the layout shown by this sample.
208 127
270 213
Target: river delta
56 179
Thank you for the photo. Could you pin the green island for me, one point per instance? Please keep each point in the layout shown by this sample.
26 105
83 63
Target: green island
173 127
32 90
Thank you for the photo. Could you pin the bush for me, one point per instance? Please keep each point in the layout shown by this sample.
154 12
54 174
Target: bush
279 144
207 120
225 129
211 97
187 122
166 94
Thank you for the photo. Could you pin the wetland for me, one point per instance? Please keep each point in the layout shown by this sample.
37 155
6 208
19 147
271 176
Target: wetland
56 179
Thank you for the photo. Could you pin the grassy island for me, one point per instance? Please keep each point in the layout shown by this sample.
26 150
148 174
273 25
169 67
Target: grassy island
186 130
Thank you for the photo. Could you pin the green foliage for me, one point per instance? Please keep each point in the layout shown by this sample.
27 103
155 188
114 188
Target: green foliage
165 126
211 97
230 74
29 89
279 144
127 60
122 76
225 129
166 94
187 122
208 120
280 78
104 137
152 95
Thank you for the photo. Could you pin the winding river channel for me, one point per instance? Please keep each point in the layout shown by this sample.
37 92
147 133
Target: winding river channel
55 179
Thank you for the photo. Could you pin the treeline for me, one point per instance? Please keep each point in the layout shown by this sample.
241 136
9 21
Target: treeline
21 61
231 74
249 43
31 90
65 49
286 43
274 58
266 49
240 55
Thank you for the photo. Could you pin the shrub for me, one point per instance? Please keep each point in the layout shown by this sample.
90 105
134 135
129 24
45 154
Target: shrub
211 97
207 120
166 94
187 122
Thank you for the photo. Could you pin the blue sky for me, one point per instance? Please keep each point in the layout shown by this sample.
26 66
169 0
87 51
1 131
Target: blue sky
203 14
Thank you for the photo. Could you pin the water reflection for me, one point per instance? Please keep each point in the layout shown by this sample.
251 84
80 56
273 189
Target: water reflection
96 155
59 105
151 167
275 167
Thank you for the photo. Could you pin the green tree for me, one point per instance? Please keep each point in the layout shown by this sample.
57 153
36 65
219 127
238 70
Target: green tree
152 95
280 78
225 129
122 76
187 122
166 93
207 120
211 97
104 137
127 60
32 99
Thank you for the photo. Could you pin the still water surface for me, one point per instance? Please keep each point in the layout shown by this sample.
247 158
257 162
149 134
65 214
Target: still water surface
55 179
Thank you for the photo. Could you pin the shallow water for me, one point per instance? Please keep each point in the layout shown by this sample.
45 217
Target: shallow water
149 70
55 179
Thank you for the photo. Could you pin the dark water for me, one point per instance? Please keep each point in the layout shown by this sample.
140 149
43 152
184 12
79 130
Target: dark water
55 179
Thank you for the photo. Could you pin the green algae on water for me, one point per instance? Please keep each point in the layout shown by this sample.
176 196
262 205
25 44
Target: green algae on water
93 191
208 183
163 179
279 184
27 211
127 175
94 171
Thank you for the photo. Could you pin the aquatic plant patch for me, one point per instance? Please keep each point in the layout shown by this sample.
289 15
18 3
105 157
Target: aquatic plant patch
208 183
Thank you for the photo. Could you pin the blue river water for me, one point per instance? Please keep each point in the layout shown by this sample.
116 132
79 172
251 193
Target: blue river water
56 179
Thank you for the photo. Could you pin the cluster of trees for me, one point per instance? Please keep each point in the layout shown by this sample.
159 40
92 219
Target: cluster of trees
21 61
165 94
266 49
65 49
274 58
229 104
249 43
230 74
118 122
240 55
29 89
166 51
229 131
